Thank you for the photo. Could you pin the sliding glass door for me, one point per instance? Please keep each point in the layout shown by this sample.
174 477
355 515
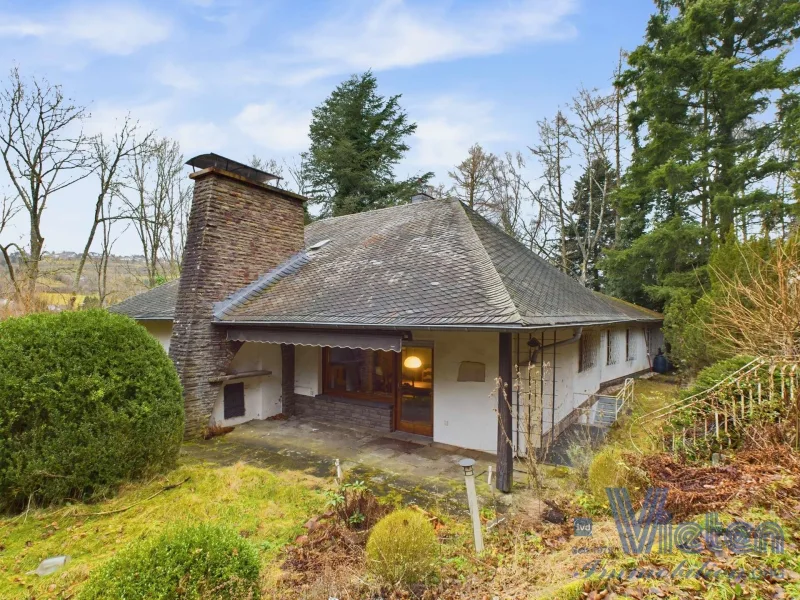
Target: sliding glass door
415 400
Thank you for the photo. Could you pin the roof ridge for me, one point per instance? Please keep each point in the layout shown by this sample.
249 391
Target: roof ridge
494 287
242 295
374 210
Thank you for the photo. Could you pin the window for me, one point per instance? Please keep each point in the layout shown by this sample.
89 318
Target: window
358 373
587 350
612 350
630 345
233 400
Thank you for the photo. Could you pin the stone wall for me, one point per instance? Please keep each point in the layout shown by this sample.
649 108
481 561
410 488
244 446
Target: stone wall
238 230
374 415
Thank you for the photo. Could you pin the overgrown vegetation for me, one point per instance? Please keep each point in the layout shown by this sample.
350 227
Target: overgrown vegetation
751 305
88 400
194 562
265 508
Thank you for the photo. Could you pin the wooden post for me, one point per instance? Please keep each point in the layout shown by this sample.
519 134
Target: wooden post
505 457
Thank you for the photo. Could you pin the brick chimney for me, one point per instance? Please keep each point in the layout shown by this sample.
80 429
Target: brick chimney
240 227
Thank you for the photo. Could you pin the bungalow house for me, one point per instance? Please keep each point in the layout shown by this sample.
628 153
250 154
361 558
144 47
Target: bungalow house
401 318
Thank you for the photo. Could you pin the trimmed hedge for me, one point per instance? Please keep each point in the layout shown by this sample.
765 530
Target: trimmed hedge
88 400
201 561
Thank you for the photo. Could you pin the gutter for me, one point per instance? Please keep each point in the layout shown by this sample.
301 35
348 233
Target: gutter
407 326
536 347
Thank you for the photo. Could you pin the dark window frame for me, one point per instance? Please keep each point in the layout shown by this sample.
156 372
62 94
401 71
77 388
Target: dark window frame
388 397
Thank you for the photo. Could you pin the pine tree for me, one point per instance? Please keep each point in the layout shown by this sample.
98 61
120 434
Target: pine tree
357 138
706 154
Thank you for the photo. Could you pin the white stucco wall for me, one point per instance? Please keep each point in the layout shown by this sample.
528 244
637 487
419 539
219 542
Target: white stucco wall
463 412
307 365
262 395
573 388
161 330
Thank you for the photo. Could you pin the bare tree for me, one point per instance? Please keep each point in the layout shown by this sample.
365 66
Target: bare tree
9 208
108 158
593 132
298 171
271 166
178 202
151 205
108 218
473 178
553 153
510 193
43 150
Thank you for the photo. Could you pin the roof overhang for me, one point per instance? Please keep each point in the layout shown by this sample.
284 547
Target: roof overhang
389 342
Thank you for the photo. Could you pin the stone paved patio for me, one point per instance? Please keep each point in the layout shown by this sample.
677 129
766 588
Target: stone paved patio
414 467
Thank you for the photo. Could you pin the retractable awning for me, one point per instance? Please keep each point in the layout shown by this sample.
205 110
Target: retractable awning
331 339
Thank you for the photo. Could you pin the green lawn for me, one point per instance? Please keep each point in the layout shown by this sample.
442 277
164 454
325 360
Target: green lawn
269 509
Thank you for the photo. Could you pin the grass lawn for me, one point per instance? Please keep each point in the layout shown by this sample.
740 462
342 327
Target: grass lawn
269 509
649 395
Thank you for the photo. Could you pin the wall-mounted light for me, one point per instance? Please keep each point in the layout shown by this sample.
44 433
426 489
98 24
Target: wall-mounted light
412 362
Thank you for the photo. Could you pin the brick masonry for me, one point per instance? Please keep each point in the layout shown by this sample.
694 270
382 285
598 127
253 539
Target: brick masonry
374 415
238 230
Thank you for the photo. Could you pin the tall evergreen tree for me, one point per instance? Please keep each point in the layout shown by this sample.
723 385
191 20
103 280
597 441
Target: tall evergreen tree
357 138
706 137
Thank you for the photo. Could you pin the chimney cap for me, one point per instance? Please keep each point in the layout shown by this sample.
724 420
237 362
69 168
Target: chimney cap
205 161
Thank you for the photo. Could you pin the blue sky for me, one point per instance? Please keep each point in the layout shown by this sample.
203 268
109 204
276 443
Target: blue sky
240 78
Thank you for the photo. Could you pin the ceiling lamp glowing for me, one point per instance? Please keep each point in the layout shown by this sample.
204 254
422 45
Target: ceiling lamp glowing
412 362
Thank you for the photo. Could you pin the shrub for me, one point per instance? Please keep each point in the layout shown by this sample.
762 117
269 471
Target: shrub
402 548
355 505
611 468
87 400
605 471
195 562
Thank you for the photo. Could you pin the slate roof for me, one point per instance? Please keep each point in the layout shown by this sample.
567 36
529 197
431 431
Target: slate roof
431 264
153 305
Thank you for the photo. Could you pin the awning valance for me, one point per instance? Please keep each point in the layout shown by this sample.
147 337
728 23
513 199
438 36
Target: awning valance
332 339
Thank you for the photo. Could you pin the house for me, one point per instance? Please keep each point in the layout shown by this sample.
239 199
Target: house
401 318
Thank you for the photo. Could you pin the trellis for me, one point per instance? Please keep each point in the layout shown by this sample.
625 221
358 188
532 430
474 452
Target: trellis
765 390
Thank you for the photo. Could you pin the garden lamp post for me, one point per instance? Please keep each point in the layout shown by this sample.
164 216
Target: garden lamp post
472 499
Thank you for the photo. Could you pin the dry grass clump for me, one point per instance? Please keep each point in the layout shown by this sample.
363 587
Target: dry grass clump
402 548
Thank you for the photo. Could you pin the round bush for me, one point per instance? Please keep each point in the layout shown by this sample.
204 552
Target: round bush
195 562
88 400
402 548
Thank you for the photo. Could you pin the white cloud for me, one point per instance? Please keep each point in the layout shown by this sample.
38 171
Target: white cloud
391 34
199 137
177 77
448 127
118 29
278 128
